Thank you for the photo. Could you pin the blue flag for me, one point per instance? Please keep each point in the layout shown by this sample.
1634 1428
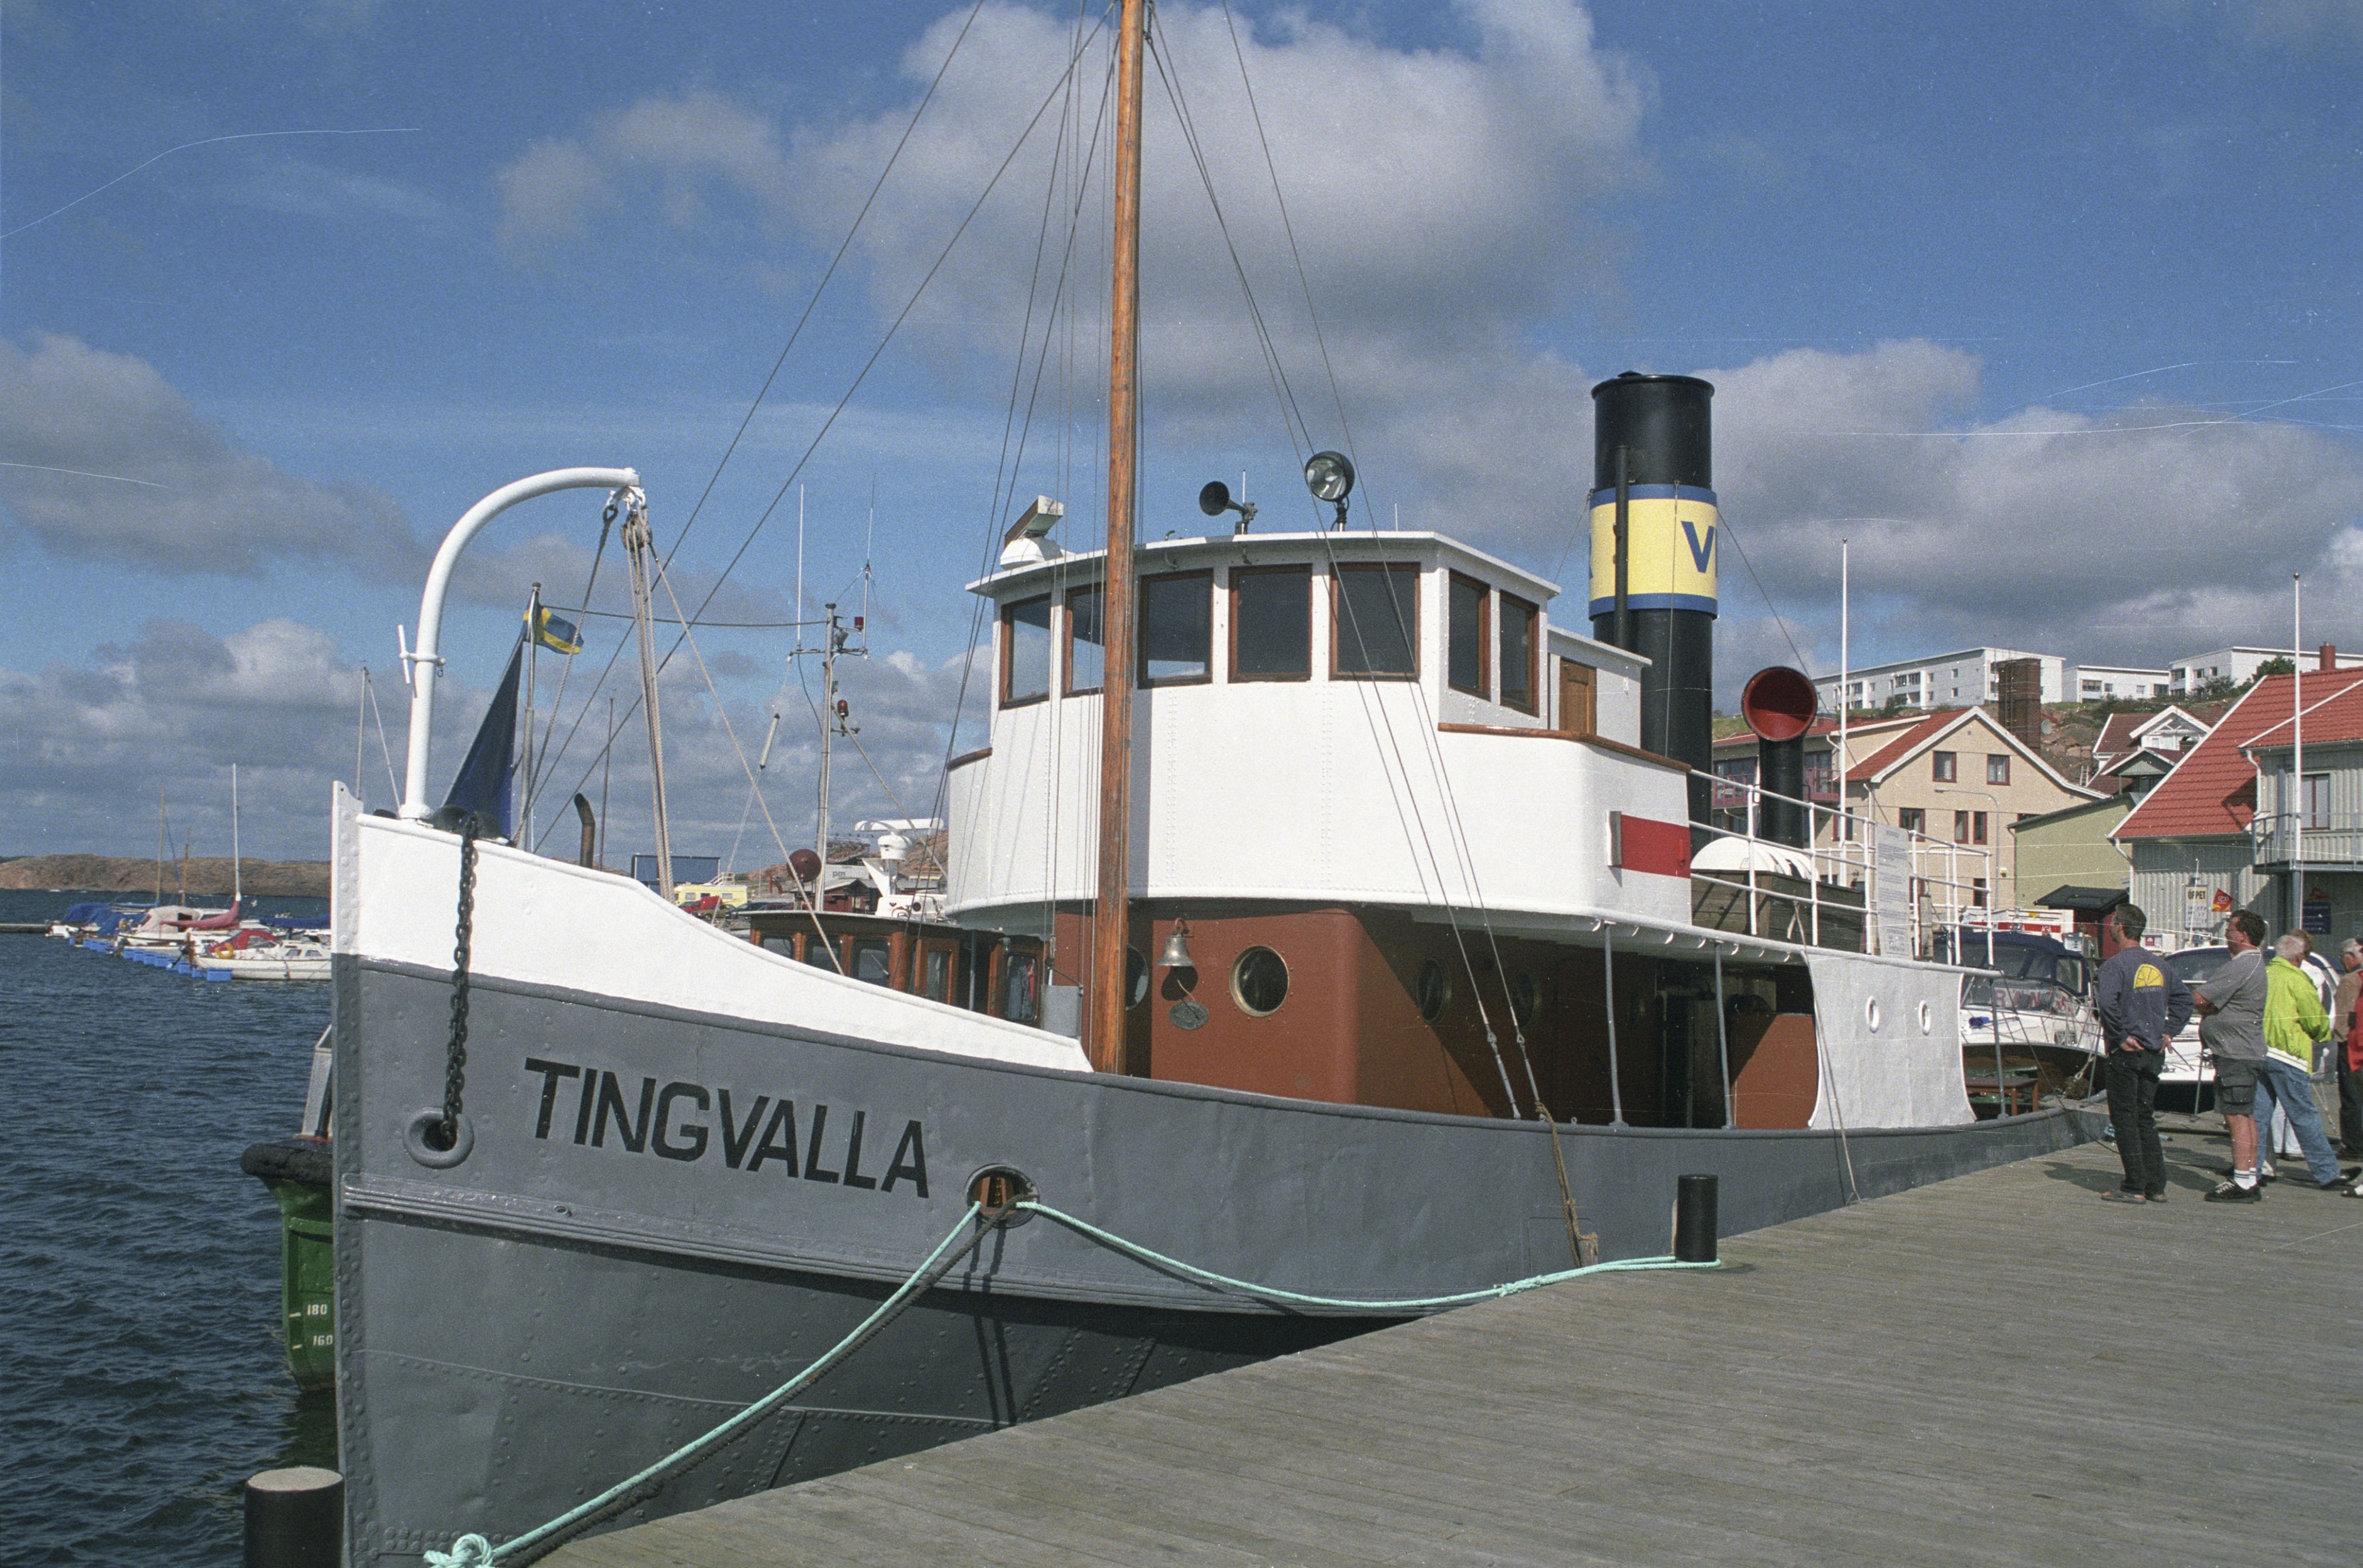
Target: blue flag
483 784
558 635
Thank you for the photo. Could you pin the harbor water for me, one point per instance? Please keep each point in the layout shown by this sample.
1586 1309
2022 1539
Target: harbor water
142 1368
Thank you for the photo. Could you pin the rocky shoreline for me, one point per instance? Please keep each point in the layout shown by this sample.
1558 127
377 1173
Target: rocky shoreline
209 878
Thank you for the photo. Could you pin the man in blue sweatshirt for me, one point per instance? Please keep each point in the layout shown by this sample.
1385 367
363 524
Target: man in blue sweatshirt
2142 1003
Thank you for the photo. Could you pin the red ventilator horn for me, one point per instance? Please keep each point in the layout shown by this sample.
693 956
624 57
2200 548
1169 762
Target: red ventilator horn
1778 703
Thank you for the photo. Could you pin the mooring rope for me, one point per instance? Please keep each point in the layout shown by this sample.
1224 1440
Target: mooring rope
476 1552
1399 1304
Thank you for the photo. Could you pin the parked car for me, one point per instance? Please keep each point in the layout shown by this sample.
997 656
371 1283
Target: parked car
2185 1067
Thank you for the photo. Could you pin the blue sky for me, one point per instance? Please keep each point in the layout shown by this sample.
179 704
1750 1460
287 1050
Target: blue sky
2048 309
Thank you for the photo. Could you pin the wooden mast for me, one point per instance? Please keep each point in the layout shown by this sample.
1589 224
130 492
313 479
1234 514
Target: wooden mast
1105 1039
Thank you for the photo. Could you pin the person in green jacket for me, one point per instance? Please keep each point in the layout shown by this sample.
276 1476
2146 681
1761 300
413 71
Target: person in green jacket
2294 1023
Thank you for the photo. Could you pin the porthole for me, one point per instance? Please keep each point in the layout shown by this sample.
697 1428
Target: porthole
1260 981
1526 998
1136 978
1432 991
1870 1013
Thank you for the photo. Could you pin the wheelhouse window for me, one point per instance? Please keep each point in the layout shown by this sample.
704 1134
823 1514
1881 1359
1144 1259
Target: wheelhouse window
1519 620
873 959
1019 1003
1086 641
935 974
1177 628
1025 651
1374 622
1469 611
1272 623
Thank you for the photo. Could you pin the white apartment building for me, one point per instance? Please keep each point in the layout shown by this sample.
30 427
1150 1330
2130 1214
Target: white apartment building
2240 665
1948 680
2096 683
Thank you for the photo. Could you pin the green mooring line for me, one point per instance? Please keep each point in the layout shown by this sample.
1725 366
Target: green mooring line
476 1552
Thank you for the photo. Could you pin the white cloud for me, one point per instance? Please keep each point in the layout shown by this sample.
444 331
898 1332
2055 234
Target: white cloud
177 705
101 458
1443 201
674 153
277 699
108 461
1503 142
2153 530
547 194
1426 300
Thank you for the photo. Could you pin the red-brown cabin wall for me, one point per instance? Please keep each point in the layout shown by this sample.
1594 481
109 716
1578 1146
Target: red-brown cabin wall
1350 1030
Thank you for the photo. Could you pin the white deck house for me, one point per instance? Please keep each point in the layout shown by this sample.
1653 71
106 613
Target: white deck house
1322 717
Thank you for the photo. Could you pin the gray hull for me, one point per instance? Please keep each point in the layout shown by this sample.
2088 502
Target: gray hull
613 1270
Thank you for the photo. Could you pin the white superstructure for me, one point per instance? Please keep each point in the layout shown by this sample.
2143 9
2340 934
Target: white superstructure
1319 784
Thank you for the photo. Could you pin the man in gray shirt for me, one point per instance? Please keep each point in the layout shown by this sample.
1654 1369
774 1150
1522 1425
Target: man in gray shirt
2232 1027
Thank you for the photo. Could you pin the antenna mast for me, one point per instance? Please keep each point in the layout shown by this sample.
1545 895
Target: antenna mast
641 549
832 639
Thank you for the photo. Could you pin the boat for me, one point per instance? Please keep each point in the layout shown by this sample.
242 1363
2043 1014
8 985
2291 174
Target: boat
1370 973
2028 1023
275 961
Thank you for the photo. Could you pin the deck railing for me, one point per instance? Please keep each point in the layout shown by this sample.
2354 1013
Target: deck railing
1842 903
2325 838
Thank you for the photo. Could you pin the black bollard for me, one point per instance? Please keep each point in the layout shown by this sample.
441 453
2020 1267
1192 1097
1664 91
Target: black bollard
1694 1219
294 1518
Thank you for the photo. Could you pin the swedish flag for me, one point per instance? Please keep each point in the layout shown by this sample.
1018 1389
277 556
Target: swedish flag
560 636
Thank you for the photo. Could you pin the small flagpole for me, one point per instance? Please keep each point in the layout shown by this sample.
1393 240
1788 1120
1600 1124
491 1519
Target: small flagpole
525 760
1844 698
2297 753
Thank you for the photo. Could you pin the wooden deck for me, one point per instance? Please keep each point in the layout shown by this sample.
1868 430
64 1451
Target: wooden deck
1997 1370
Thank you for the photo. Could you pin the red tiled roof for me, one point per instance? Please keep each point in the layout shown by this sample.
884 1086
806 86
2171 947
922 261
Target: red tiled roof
2212 793
2333 713
1905 744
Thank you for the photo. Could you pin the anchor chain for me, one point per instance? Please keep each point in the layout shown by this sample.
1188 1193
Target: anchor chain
455 1062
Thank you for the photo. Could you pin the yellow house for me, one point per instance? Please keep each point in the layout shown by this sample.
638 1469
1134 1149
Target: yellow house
1959 778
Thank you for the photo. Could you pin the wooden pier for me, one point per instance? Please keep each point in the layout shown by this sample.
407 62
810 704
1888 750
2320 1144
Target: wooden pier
2000 1369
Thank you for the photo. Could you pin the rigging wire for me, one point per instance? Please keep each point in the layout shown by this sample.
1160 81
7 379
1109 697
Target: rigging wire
1288 225
1007 466
811 904
542 763
917 292
392 783
1723 519
1375 707
834 262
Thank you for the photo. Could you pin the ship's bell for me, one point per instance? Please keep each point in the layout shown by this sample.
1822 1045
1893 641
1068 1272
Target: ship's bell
1177 947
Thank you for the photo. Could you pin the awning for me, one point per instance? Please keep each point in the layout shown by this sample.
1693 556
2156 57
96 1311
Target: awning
2092 901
